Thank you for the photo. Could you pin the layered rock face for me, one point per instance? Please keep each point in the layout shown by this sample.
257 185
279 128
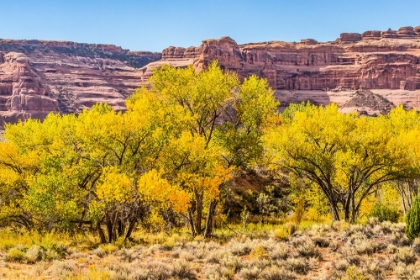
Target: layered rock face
38 77
372 60
22 93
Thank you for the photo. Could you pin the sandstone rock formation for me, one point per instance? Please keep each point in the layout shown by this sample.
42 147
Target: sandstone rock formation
371 34
366 102
38 77
406 31
350 37
22 94
375 60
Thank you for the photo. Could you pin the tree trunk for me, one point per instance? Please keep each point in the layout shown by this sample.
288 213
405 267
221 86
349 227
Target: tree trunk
199 212
332 201
354 209
109 228
404 206
210 217
333 205
121 227
101 232
347 206
350 210
334 211
130 229
191 222
114 227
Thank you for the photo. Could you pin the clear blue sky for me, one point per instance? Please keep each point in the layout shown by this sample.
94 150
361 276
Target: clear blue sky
156 24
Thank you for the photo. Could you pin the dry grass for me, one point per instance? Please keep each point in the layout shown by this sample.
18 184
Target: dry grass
339 251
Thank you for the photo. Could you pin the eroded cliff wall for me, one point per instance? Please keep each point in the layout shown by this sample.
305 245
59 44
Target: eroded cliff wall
376 60
372 60
38 77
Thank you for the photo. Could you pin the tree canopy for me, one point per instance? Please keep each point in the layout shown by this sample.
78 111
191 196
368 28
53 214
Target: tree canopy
182 142
111 170
347 156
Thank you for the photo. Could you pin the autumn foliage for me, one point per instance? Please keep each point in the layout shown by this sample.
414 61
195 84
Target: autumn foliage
179 145
113 170
346 156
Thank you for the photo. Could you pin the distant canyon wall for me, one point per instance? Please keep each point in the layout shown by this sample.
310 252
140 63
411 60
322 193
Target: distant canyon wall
372 60
38 77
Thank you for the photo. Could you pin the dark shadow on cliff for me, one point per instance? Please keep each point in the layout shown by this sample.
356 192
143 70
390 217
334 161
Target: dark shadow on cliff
316 97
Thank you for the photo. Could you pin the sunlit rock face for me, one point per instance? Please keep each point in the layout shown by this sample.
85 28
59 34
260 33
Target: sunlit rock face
38 77
385 62
22 93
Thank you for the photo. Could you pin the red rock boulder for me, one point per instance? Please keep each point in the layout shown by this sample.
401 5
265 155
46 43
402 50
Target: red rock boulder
350 37
371 34
406 31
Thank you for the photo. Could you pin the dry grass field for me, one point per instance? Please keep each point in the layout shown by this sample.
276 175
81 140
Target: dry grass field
334 251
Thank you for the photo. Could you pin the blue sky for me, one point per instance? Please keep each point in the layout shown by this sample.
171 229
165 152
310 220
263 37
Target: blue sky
154 25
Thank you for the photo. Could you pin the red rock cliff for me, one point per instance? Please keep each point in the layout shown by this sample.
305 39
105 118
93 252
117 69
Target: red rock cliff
22 93
37 77
385 61
372 60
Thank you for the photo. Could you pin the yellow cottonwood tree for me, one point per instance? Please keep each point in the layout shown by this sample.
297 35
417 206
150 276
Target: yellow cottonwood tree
198 170
405 128
45 192
201 98
108 169
347 156
82 170
254 108
222 122
14 169
117 151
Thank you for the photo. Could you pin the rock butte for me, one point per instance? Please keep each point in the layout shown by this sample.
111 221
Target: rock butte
37 77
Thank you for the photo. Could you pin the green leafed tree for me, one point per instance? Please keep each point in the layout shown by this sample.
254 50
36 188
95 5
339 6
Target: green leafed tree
413 220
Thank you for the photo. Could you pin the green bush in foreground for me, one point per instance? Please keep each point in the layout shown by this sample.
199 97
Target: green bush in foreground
15 255
413 220
384 213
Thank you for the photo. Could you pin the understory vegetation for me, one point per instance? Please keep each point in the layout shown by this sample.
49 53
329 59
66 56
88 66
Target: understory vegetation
206 162
337 250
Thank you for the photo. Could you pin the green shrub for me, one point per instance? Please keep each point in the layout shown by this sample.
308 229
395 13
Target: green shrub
413 220
384 213
16 255
259 252
281 234
353 273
